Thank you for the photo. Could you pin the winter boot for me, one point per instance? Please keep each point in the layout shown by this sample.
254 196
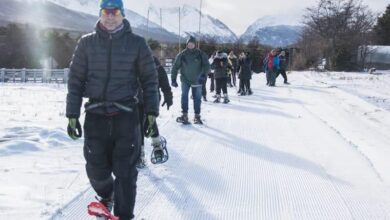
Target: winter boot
204 98
197 119
250 92
141 163
226 98
218 99
160 152
183 119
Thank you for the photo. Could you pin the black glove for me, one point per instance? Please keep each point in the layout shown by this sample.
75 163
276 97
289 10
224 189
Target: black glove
174 83
202 79
168 100
74 129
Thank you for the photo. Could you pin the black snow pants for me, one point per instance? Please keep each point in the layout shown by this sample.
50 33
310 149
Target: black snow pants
111 148
221 85
283 72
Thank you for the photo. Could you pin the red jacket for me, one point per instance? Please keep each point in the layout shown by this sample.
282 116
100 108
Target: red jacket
270 63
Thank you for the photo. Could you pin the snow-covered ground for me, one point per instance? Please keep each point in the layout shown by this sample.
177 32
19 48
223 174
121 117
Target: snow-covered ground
315 149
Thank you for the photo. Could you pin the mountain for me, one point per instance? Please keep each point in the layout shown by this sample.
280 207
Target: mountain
54 14
274 31
210 28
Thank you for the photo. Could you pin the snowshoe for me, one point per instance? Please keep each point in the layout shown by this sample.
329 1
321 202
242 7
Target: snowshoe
183 119
160 152
102 209
197 120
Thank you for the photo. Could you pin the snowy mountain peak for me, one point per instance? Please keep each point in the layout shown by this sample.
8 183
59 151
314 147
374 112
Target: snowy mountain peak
274 30
189 23
271 21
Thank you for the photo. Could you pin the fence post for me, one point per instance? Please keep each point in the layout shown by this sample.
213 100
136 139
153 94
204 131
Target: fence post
66 75
24 75
44 75
2 75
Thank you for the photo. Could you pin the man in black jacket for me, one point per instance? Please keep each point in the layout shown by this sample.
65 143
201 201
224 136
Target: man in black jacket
108 67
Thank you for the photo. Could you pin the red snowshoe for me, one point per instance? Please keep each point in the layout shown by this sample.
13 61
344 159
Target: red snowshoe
99 210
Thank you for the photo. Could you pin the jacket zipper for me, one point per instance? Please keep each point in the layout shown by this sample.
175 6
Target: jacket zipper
108 70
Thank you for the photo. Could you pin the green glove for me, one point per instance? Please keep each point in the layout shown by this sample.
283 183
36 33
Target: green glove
150 124
74 129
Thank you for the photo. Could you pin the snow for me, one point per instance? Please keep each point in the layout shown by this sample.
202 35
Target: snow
315 149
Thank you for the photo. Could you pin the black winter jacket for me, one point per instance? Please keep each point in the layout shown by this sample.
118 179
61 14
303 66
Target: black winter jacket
221 67
111 68
245 68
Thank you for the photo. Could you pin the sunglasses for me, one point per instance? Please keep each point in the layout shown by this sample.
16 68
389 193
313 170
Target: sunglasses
112 11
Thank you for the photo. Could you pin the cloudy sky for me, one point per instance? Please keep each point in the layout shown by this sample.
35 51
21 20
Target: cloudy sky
239 14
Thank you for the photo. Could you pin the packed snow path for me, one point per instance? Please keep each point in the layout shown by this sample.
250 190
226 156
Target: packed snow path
308 150
273 155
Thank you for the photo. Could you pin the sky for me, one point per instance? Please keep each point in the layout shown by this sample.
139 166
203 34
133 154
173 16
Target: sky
239 14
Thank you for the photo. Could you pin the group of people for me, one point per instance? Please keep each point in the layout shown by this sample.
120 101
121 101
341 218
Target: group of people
224 72
116 70
275 63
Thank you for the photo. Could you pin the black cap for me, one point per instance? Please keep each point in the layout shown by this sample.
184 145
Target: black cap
191 39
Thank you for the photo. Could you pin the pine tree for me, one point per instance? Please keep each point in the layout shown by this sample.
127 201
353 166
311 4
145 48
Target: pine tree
382 28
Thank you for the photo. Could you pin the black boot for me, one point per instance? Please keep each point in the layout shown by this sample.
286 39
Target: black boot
183 119
197 119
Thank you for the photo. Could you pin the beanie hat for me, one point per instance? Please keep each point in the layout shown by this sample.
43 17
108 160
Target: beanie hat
191 39
112 4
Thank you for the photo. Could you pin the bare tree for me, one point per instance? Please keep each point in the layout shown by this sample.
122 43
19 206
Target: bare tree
341 26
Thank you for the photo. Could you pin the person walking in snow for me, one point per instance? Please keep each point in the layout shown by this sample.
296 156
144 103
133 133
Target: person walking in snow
159 154
283 66
272 67
108 67
194 66
245 74
221 68
211 73
234 62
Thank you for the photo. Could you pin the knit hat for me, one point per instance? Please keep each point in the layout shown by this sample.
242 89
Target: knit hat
112 4
191 39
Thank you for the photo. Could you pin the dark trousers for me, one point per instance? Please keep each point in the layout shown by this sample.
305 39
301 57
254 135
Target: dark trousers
271 77
112 147
234 78
283 72
212 83
142 118
245 85
241 86
229 80
221 85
